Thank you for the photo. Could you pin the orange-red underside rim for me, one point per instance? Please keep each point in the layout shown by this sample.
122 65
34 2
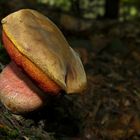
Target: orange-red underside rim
29 67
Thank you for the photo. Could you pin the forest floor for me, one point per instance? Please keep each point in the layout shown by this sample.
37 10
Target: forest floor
109 109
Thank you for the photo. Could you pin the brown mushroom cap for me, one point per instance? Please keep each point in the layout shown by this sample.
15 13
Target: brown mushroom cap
37 38
42 80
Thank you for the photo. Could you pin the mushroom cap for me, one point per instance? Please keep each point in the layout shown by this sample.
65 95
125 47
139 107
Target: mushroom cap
39 39
41 79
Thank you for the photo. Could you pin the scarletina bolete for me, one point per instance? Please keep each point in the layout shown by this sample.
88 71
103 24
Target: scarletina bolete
42 62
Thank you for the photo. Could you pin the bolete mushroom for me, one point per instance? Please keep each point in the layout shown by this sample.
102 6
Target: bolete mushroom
41 56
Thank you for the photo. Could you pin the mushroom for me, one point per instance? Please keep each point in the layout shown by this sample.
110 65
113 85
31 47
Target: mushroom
42 57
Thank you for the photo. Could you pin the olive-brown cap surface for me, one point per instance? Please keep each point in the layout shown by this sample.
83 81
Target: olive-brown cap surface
36 37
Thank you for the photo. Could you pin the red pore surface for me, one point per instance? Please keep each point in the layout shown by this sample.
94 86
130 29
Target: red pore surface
17 92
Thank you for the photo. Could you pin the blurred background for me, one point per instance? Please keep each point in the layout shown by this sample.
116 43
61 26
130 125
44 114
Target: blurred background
88 9
106 34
